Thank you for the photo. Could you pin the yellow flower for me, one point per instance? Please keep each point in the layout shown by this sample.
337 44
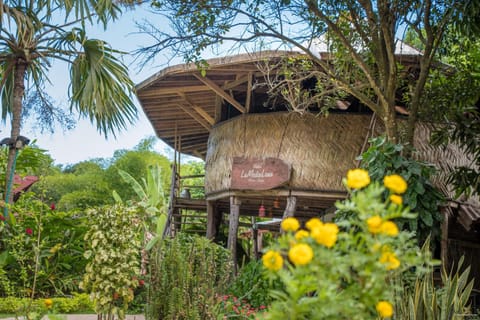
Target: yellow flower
313 223
290 224
326 234
395 183
390 260
48 303
300 254
395 198
301 234
357 178
374 224
389 228
272 260
384 309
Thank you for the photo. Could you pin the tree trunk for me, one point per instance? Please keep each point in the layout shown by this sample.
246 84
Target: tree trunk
18 93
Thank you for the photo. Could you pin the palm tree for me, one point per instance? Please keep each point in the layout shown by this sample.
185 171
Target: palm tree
33 34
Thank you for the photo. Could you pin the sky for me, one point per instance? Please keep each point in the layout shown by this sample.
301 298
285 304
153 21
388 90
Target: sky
85 142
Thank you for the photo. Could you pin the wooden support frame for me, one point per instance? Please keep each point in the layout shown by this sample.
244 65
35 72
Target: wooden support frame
197 117
233 229
290 208
213 220
444 239
198 109
218 90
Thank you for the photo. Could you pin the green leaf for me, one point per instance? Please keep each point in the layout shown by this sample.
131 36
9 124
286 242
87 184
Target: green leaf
161 222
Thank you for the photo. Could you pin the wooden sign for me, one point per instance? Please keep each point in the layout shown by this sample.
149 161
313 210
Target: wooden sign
259 174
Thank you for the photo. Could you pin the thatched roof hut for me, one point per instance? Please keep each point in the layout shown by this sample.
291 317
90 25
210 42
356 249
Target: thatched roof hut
220 117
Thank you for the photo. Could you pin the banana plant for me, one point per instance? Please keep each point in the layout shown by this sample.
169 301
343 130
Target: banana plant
151 198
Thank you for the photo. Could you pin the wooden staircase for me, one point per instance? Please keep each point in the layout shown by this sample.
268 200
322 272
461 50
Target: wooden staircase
184 213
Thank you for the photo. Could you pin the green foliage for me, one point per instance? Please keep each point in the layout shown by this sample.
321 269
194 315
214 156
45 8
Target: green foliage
430 301
80 186
343 271
55 237
78 303
384 158
252 286
455 100
136 163
186 275
113 243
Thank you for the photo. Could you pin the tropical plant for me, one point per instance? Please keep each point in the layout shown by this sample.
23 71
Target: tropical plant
384 158
41 251
428 300
344 270
252 286
136 163
113 244
187 273
151 199
35 33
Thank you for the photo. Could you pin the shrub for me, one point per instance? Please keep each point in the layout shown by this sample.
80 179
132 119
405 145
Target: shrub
186 275
344 270
113 244
40 246
252 286
78 303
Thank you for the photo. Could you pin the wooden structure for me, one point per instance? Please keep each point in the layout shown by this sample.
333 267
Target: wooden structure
222 118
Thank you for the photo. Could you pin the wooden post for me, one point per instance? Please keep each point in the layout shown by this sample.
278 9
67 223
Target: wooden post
255 237
290 208
212 217
444 240
233 229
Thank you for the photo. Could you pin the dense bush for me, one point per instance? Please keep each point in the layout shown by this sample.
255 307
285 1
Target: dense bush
251 285
344 270
41 251
78 303
186 275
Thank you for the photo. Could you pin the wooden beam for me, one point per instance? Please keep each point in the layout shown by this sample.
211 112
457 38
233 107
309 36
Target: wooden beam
444 238
153 92
221 92
290 208
249 93
233 229
218 108
198 109
237 82
211 220
195 116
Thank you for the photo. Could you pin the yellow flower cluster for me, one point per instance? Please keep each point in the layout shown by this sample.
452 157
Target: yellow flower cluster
48 303
384 309
395 183
300 234
290 224
357 178
272 260
300 254
395 198
377 225
325 234
390 260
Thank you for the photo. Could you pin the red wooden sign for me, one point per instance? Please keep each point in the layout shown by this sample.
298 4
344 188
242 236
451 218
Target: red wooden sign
259 174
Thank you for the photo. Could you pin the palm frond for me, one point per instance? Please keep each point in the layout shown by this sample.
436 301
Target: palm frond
101 88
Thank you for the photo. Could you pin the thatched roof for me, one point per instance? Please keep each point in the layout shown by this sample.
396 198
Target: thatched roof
179 101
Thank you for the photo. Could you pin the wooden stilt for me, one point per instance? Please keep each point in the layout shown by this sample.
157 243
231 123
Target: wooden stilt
444 240
233 229
290 208
212 217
